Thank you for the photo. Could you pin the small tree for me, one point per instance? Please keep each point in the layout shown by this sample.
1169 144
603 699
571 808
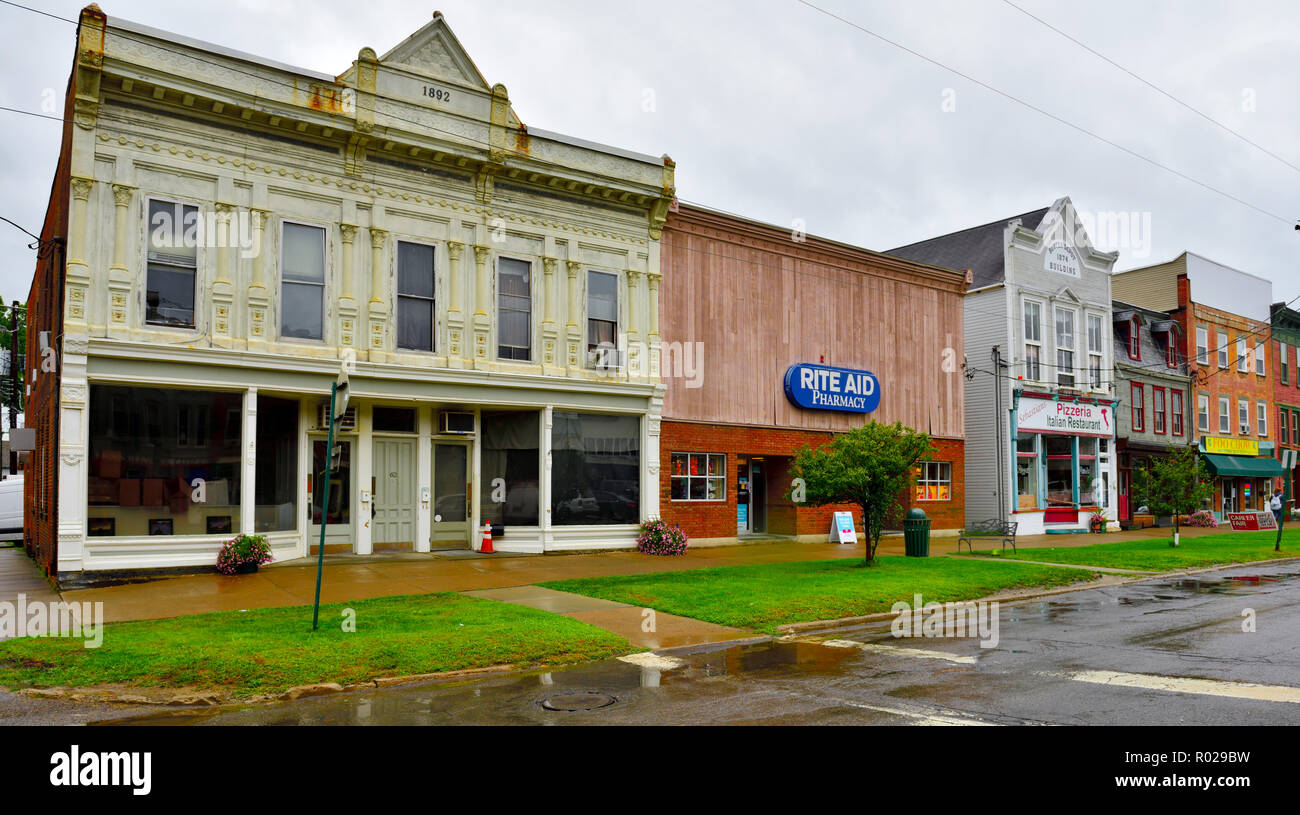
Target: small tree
871 466
1174 485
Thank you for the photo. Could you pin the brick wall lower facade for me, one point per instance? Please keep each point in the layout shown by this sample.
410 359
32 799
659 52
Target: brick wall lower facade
718 518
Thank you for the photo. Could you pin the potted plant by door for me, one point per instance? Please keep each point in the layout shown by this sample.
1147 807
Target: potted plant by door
242 554
1097 523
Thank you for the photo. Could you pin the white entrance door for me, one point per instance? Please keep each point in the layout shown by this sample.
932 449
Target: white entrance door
451 515
395 502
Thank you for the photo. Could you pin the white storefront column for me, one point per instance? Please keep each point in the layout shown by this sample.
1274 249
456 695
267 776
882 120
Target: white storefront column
476 485
650 456
545 531
73 451
424 478
306 419
364 489
248 474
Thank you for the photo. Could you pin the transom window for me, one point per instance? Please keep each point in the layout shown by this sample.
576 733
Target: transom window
934 481
302 285
514 309
415 296
699 476
173 264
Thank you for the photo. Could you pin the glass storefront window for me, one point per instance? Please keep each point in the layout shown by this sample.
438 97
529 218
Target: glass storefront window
596 469
510 451
1087 472
163 462
275 491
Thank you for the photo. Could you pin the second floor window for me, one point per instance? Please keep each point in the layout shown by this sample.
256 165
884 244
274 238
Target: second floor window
1033 340
1158 408
1176 411
415 296
1243 356
1203 413
1139 409
1283 368
1261 418
1065 347
1281 426
514 309
1202 345
302 284
173 264
1259 359
1094 351
602 320
1243 417
1225 418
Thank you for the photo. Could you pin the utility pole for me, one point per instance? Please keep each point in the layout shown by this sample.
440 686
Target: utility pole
1002 448
13 385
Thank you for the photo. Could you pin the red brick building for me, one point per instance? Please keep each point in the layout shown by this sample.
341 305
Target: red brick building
742 303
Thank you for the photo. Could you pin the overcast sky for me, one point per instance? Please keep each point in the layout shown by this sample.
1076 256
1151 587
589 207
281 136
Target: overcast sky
776 112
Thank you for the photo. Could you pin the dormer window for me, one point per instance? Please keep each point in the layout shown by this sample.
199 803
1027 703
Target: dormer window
1171 351
1134 339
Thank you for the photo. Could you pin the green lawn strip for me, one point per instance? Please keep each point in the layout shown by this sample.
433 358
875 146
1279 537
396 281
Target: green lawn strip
270 650
765 596
1156 555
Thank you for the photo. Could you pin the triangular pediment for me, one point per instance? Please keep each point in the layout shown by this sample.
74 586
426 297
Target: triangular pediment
434 51
1064 293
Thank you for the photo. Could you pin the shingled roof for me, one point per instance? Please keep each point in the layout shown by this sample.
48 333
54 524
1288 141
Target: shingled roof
979 248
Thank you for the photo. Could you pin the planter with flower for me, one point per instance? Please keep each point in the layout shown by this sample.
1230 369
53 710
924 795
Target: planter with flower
658 538
1097 523
242 554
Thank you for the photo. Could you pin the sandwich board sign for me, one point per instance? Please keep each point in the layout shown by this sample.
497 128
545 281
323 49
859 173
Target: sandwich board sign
842 528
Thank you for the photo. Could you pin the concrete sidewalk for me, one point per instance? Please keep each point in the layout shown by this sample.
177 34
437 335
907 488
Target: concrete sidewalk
19 574
347 579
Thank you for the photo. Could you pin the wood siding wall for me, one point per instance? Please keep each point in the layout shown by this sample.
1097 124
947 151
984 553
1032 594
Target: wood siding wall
761 302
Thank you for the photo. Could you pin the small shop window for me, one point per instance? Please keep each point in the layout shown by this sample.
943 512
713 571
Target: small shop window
699 476
934 481
1027 471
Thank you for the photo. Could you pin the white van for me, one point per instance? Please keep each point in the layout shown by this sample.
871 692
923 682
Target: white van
11 506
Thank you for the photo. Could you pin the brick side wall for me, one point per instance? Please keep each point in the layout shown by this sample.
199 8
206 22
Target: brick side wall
717 519
45 314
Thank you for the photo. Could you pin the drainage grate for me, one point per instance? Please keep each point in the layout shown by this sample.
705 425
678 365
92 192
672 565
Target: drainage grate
582 700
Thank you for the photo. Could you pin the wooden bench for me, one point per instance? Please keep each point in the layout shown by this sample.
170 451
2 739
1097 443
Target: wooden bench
992 529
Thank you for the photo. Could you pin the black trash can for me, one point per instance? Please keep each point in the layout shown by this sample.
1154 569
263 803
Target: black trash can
916 533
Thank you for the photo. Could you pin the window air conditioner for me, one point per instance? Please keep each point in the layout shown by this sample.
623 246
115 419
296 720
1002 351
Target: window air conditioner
456 422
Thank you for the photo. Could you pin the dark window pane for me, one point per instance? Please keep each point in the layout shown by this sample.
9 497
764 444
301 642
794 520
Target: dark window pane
510 452
169 296
415 323
602 296
302 312
596 472
276 488
414 269
394 419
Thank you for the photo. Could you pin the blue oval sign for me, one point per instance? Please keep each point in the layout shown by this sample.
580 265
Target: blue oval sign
821 387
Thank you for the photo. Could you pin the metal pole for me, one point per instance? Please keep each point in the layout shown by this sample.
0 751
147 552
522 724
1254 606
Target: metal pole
13 386
997 395
324 510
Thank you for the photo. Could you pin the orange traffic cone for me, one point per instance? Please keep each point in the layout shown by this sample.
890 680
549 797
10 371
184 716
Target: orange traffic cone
486 548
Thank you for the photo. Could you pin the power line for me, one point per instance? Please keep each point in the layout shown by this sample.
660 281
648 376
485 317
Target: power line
1046 113
1154 87
190 54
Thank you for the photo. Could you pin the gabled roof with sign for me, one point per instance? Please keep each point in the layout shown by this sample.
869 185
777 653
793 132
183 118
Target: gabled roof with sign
979 248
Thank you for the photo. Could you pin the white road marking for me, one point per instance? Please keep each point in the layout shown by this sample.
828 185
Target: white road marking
1183 684
649 659
895 650
921 717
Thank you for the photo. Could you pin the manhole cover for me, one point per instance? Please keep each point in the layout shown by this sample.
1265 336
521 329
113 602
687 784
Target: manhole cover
585 700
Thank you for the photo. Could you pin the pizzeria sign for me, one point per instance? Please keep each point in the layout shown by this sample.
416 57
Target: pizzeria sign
1064 418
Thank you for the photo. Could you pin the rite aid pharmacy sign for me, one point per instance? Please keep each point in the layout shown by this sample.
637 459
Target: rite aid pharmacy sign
821 387
1068 418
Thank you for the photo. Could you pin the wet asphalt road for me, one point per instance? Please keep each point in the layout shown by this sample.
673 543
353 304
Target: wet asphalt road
1118 655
